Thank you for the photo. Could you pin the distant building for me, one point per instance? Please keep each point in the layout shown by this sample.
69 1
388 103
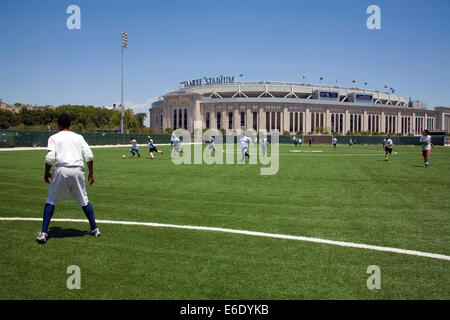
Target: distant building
293 107
16 108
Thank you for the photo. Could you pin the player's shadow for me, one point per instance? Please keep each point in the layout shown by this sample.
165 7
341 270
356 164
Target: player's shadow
57 232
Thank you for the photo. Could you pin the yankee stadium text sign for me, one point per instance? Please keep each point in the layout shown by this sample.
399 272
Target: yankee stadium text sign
205 81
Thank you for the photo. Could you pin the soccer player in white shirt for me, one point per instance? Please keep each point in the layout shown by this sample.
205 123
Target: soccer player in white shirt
176 143
263 143
69 150
425 140
387 144
334 142
134 148
211 144
245 142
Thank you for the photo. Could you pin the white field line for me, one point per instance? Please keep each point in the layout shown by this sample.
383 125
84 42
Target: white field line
92 147
252 233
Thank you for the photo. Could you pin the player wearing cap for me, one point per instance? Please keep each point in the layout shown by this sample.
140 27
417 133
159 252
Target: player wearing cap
68 151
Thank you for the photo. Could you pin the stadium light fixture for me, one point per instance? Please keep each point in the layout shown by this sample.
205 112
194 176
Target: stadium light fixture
124 45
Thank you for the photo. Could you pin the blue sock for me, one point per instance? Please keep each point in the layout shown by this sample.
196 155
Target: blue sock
48 213
89 212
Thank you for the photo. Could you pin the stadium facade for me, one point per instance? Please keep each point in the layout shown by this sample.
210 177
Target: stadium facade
293 107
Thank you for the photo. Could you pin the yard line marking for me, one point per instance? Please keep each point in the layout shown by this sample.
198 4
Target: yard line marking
252 233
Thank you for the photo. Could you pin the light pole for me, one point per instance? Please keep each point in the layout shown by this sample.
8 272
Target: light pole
124 44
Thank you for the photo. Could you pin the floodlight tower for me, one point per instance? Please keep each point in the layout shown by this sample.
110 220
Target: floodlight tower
124 45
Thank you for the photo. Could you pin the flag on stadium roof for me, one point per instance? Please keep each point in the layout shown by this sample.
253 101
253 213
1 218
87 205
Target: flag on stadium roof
386 86
303 77
353 81
182 82
365 83
321 78
241 75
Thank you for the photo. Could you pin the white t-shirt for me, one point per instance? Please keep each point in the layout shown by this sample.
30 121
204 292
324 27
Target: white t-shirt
245 141
426 142
334 140
388 143
69 147
263 141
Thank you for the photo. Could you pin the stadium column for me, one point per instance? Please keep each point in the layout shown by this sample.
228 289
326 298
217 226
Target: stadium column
249 119
383 122
399 122
224 120
262 118
327 123
413 123
347 122
197 117
307 121
236 119
425 122
167 120
212 119
365 121
285 122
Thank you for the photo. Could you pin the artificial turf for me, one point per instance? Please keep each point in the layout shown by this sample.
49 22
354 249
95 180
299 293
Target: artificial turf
350 194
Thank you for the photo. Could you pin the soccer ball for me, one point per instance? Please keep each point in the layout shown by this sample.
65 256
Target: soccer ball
123 156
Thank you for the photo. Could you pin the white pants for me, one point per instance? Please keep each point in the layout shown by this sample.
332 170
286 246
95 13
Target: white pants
66 182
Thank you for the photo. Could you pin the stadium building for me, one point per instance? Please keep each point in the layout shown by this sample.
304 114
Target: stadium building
293 107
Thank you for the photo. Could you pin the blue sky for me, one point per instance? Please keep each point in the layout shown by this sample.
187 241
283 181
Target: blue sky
42 62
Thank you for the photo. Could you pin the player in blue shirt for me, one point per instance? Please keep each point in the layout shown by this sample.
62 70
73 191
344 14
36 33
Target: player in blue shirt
152 147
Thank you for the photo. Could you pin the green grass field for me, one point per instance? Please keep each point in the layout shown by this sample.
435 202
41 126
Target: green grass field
350 195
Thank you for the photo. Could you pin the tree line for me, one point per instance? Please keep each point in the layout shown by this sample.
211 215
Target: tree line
84 119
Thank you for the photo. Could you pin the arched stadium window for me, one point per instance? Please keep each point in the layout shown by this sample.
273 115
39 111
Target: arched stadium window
291 121
255 121
243 120
185 119
207 120
268 121
230 120
174 119
219 115
351 123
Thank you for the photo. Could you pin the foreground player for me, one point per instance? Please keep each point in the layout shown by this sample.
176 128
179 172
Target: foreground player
425 140
134 148
387 144
334 142
245 142
152 147
70 150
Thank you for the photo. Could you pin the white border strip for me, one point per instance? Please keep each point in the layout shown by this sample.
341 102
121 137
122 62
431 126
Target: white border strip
253 233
